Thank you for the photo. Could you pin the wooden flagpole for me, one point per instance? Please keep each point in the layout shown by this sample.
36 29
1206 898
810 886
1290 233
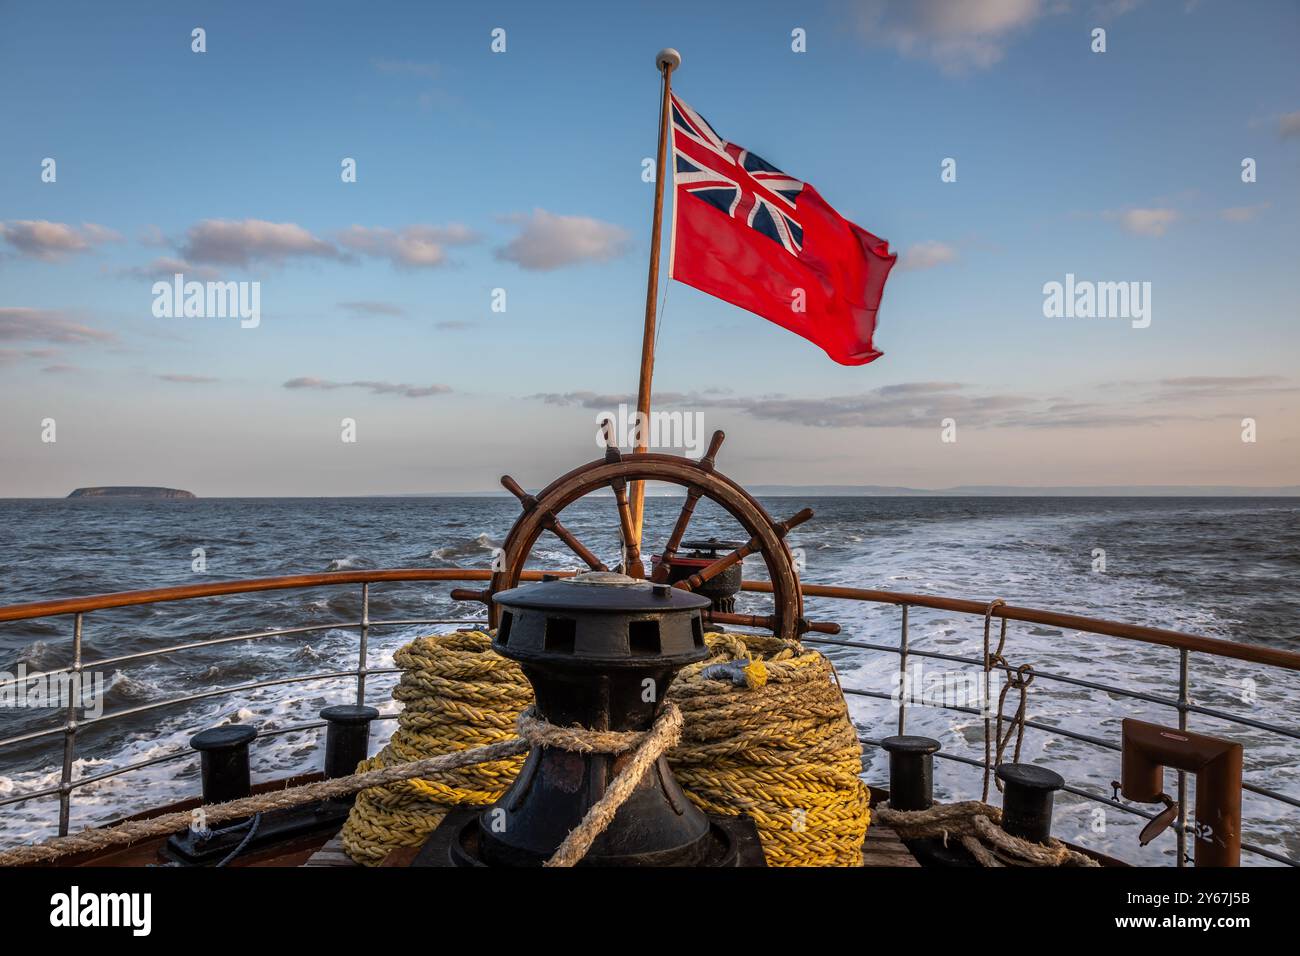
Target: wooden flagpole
666 60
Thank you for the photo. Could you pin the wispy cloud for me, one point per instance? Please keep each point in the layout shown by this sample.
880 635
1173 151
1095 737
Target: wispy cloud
550 241
611 400
164 267
44 325
245 241
926 404
10 356
415 247
1288 125
917 404
372 307
1198 387
956 35
1243 213
375 388
425 73
927 255
1145 222
152 235
1221 381
53 241
241 243
185 379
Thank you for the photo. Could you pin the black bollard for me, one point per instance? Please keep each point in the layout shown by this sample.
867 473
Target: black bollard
347 739
1027 800
226 777
911 771
224 762
911 789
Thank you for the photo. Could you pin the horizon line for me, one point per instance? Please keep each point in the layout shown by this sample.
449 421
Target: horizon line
776 490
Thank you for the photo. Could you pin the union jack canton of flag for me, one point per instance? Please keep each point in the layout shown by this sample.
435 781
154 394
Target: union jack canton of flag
739 182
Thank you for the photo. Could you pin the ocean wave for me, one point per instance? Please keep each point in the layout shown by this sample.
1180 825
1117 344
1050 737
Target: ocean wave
350 563
39 655
465 547
123 690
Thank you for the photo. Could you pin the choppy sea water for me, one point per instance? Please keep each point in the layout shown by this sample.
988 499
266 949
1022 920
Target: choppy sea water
1220 567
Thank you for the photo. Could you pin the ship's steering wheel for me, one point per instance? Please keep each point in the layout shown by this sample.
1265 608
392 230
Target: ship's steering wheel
766 537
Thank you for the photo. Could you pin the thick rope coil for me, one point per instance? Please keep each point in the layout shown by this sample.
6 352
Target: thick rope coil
768 734
975 823
457 693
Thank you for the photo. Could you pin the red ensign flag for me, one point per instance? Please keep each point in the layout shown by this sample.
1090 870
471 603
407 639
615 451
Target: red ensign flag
746 232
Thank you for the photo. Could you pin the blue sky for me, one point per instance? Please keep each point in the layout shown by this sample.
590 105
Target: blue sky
522 171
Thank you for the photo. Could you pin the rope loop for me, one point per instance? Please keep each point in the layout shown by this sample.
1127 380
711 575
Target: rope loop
1018 679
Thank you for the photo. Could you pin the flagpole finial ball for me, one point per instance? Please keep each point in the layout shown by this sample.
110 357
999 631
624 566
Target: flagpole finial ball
668 59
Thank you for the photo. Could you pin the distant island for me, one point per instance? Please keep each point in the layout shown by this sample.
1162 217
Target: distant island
130 491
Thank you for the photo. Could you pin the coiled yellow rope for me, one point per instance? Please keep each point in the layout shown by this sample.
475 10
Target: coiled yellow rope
766 733
457 693
776 744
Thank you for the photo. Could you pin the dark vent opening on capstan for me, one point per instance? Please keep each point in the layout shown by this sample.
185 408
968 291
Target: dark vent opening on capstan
697 631
503 632
643 637
560 633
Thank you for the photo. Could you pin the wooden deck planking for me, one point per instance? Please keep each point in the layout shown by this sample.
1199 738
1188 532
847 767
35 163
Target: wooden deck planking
884 848
331 854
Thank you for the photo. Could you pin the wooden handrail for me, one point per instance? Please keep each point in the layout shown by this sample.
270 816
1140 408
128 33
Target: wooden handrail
184 592
1274 657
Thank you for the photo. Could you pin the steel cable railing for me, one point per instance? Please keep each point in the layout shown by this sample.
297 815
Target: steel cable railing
1182 704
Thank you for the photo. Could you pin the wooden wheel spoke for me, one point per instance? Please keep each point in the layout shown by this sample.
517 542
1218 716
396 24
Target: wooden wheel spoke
631 552
704 575
693 495
710 456
707 574
626 523
552 524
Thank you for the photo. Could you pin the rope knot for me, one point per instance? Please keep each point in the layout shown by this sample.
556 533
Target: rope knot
540 732
646 747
